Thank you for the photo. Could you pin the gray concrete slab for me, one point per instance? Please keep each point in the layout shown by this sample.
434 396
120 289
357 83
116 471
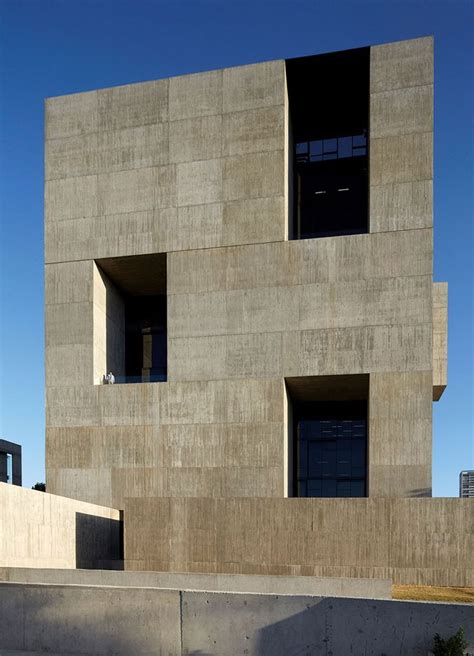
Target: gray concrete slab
281 585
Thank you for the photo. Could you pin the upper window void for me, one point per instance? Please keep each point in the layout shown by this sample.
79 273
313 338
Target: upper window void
329 116
130 319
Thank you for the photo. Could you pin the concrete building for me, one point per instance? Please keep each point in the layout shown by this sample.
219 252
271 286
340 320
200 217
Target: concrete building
256 268
10 462
466 484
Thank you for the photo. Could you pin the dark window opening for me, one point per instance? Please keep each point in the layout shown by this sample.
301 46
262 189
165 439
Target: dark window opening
331 443
135 318
145 339
328 435
329 109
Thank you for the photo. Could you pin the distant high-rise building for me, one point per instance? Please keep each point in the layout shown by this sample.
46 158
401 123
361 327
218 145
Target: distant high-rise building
466 484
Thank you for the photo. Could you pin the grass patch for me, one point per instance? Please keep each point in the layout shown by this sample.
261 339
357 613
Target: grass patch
433 593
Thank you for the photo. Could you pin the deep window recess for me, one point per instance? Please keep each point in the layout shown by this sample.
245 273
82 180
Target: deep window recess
331 451
329 109
327 435
145 339
135 319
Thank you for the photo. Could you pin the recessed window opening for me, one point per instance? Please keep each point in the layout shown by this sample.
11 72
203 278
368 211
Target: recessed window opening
328 435
329 108
131 309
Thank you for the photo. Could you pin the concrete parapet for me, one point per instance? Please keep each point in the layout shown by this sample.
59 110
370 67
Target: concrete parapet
281 585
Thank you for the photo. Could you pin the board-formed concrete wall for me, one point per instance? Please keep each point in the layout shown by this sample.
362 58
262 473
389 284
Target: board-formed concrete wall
42 530
196 167
418 541
74 620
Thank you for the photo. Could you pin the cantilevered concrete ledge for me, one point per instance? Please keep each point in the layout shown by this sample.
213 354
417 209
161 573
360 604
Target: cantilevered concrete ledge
244 583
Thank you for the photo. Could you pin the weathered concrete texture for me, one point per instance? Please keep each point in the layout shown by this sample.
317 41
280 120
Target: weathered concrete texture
401 129
418 541
440 339
399 451
139 165
314 307
89 620
220 438
402 64
281 585
38 529
99 620
284 626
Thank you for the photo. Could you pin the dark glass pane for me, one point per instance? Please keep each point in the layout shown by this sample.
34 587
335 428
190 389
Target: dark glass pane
302 489
330 146
329 488
359 140
344 147
316 148
314 488
344 488
357 488
358 453
302 148
358 152
315 459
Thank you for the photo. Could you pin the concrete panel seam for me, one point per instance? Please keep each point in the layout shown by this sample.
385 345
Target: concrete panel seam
410 86
100 172
292 286
299 330
181 620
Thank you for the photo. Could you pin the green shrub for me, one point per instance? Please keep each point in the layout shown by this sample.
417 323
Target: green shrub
453 646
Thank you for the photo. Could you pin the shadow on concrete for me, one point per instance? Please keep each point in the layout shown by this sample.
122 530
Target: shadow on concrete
421 492
71 620
99 542
362 626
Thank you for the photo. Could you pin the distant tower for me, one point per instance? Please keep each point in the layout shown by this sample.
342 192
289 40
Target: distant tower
466 484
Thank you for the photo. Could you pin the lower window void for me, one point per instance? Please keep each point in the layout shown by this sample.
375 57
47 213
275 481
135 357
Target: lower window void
327 436
331 445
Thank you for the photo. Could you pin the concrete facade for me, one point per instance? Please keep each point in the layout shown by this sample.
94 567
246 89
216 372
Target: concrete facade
411 541
197 168
42 530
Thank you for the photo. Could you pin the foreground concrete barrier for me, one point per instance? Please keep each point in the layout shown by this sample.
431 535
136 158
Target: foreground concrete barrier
44 530
281 585
86 620
95 621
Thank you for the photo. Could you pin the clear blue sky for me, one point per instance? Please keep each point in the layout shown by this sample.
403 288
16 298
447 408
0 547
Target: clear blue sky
49 48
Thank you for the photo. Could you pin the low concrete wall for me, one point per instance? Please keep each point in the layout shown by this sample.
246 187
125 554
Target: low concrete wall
124 621
414 541
43 530
89 620
280 585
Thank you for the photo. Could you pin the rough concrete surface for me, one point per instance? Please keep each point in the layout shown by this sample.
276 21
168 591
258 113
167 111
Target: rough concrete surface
99 620
283 585
38 529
